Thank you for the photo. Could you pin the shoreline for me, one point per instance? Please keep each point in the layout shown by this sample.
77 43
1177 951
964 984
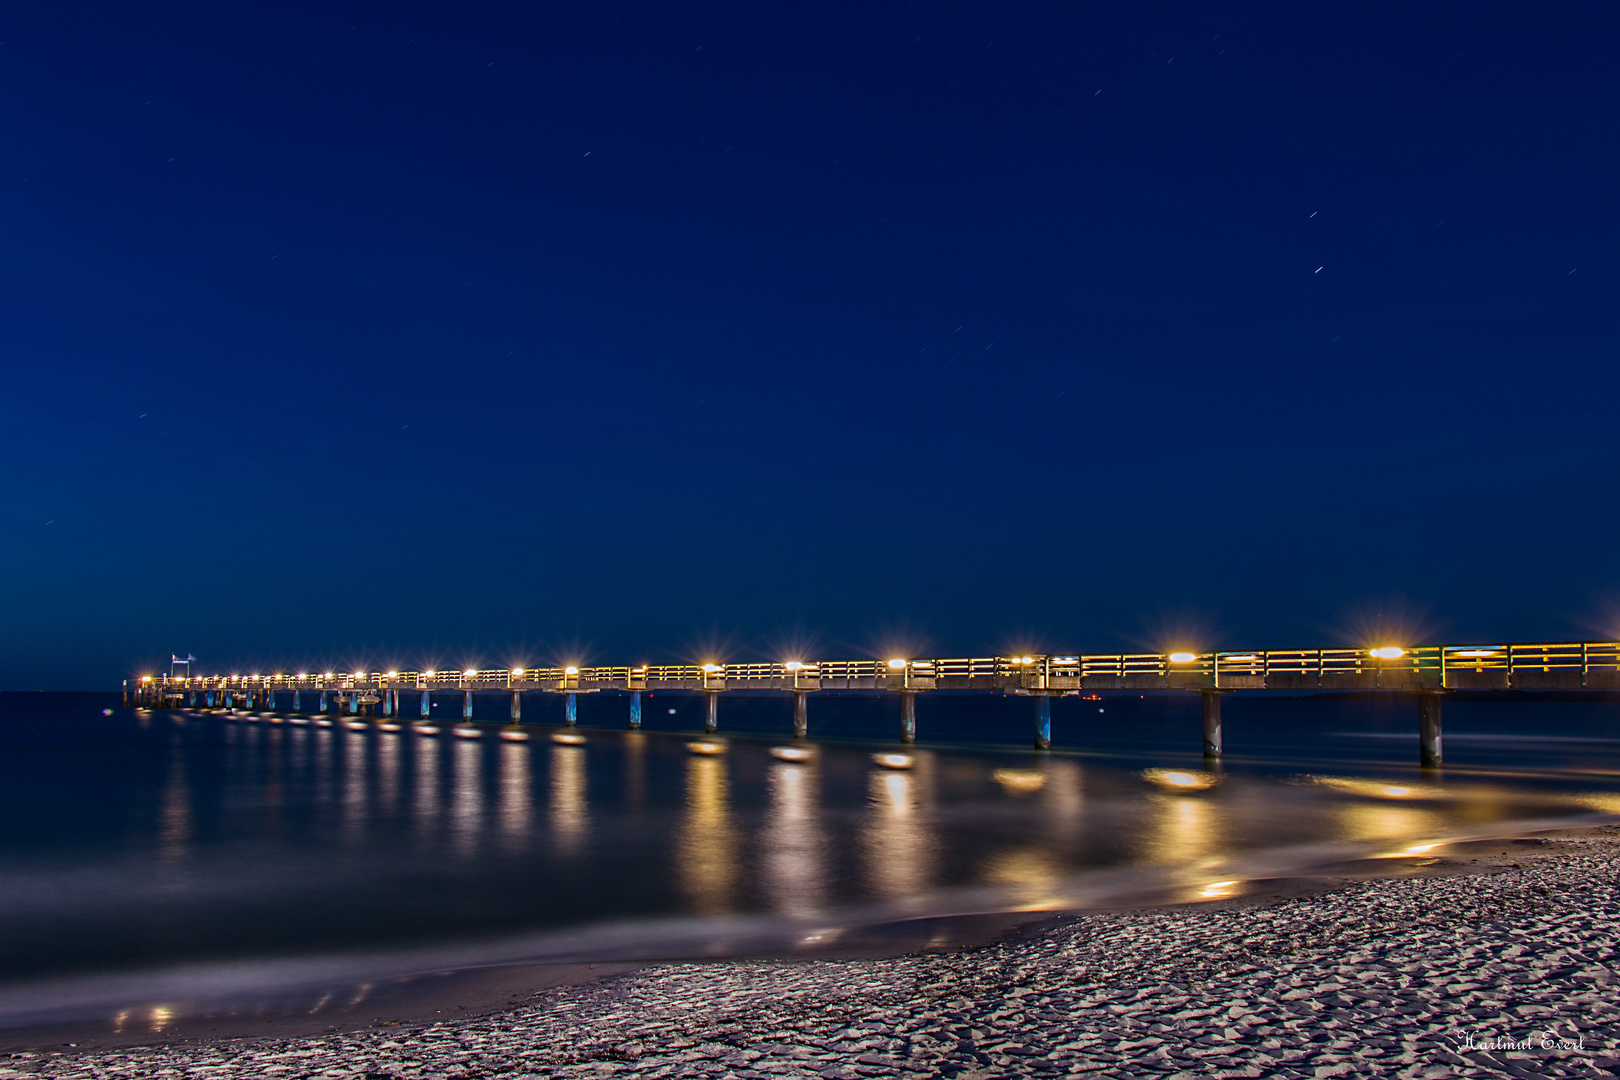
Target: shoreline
1094 975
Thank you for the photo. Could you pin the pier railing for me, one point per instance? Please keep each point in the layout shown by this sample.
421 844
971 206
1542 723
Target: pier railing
1477 666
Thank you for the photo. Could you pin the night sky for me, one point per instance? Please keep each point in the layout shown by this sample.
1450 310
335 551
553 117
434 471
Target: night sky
410 334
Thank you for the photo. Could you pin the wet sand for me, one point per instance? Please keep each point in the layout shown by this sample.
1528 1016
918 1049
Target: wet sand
1483 946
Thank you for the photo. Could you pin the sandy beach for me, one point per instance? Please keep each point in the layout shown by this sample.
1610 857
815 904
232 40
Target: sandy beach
1498 959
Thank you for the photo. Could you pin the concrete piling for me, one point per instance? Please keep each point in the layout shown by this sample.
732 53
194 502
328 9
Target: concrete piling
711 717
1212 723
1429 753
517 706
908 716
466 704
571 712
635 709
427 706
801 714
1043 722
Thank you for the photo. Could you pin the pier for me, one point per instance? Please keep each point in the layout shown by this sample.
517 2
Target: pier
1429 671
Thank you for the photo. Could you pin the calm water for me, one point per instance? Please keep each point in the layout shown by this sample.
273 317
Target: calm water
229 852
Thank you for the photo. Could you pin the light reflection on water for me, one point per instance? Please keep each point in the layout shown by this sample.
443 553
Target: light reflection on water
263 839
706 857
794 855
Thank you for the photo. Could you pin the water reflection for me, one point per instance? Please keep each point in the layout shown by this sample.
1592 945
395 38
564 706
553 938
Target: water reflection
466 796
517 802
1185 829
706 858
427 786
388 766
354 787
794 849
1063 802
569 816
897 846
175 822
1386 821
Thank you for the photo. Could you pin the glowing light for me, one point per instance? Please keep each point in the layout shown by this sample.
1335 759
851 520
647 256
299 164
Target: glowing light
1019 779
706 749
570 671
1421 849
897 664
1182 657
429 674
393 674
1217 890
146 678
893 761
1245 656
1398 792
511 735
711 668
517 671
1181 780
469 673
469 733
1387 652
794 665
792 753
1026 659
1474 652
568 738
328 675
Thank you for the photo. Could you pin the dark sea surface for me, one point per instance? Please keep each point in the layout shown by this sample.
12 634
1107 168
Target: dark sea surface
201 855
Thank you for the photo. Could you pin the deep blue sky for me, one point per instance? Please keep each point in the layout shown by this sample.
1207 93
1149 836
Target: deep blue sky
410 333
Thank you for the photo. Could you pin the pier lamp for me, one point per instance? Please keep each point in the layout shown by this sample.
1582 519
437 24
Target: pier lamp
303 674
393 674
794 665
429 674
146 678
517 671
469 673
711 668
328 675
897 664
1182 657
570 670
1387 652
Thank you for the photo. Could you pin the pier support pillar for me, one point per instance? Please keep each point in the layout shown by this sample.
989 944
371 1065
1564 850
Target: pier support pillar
298 701
427 706
208 697
323 707
1212 722
517 706
191 699
908 716
388 702
466 704
354 703
711 717
1429 755
571 711
801 714
1043 721
635 709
